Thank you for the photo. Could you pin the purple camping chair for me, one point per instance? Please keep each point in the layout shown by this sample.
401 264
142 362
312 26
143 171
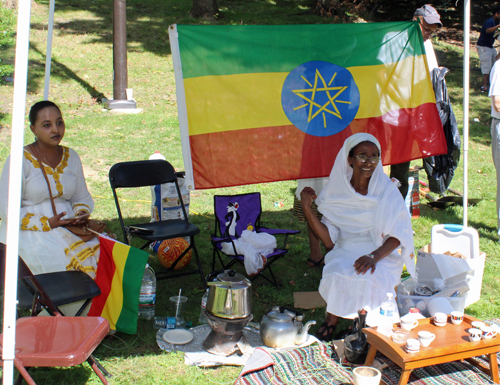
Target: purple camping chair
235 213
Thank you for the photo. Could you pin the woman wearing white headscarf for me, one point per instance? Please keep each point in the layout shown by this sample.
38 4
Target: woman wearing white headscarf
365 221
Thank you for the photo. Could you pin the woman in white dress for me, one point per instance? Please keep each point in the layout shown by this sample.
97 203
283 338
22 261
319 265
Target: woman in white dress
365 221
44 244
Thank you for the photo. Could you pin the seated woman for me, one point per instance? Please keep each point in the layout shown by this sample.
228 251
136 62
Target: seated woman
364 220
44 244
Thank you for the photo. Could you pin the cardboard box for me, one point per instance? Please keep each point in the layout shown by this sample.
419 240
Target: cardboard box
308 300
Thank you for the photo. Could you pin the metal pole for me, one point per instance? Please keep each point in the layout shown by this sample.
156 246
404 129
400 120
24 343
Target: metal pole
120 75
14 203
466 103
48 56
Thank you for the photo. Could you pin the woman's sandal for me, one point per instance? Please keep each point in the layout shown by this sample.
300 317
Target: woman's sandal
313 263
325 332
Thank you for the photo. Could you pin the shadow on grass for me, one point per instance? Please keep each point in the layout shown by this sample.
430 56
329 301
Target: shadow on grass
59 71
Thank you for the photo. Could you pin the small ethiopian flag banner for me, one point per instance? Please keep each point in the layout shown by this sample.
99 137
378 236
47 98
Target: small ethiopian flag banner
119 276
268 103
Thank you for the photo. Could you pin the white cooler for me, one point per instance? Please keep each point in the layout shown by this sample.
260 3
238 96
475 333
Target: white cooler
464 240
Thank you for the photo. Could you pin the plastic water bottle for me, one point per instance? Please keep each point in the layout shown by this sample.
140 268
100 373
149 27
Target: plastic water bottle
203 318
157 155
387 315
147 297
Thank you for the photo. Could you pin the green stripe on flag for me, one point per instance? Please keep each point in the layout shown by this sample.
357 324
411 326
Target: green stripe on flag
228 50
132 279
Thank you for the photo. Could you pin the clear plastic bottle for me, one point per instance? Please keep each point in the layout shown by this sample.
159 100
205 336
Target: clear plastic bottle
388 315
147 297
203 318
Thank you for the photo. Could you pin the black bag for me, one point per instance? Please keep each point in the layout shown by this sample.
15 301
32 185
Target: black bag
440 169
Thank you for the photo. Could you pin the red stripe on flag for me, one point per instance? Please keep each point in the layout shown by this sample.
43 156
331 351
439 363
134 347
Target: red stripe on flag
271 154
104 276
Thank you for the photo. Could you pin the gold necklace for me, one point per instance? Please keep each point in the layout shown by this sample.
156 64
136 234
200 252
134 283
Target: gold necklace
41 155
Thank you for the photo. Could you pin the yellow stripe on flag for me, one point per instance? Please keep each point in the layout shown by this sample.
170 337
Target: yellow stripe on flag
236 102
114 303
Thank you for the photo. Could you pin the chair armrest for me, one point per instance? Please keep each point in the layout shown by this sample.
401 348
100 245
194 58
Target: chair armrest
217 241
276 231
221 239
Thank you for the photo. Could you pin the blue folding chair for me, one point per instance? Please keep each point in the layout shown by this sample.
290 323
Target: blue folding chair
233 215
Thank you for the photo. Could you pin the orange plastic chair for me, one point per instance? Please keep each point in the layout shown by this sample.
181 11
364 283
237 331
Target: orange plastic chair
56 341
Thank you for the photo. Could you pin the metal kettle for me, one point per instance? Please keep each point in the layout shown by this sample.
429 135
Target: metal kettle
282 328
230 296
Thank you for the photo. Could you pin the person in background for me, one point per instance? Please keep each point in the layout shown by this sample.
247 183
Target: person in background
364 222
44 243
485 48
429 21
316 256
494 94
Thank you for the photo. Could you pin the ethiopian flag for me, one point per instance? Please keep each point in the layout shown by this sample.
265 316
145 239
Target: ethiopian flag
119 276
269 103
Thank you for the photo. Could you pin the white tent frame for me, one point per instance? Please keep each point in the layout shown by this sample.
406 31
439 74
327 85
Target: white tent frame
17 143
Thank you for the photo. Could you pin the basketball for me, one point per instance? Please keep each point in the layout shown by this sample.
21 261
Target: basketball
170 249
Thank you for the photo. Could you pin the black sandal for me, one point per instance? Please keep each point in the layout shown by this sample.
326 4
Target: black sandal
312 263
325 332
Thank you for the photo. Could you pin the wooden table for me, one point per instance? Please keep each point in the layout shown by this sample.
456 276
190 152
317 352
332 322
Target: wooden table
451 344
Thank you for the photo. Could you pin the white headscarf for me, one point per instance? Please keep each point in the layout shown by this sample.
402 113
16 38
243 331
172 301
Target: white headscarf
382 211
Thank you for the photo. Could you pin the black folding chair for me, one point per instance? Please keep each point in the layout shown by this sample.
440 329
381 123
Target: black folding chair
63 287
150 173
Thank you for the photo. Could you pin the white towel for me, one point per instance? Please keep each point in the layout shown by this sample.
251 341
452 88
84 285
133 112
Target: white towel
253 246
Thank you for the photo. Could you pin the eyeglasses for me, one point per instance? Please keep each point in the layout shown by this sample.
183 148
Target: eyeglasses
364 159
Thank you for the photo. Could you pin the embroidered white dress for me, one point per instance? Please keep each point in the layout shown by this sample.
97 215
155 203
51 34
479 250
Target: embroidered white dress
42 248
359 224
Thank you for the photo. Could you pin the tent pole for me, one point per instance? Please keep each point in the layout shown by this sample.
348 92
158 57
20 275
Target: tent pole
48 56
14 203
466 103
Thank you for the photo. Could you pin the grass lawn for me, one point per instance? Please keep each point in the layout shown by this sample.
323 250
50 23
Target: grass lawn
82 74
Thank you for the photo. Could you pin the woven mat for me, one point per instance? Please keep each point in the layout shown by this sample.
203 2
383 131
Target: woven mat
311 365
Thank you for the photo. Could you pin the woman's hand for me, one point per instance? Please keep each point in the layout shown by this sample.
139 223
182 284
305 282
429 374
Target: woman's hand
307 195
81 218
56 221
363 264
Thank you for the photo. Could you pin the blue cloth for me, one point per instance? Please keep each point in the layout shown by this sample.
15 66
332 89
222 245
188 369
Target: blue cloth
487 39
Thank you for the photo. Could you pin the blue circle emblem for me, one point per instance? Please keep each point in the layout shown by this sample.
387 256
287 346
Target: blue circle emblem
320 98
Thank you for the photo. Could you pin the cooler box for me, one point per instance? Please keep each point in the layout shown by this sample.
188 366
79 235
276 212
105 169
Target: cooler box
464 240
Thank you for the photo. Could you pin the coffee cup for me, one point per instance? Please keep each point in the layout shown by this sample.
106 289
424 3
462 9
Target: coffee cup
478 324
488 332
408 323
412 345
366 375
425 337
457 317
440 318
475 334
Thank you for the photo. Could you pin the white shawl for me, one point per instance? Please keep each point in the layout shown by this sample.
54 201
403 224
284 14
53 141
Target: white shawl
382 210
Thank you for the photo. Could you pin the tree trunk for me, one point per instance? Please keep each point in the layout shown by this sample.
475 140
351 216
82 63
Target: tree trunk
204 9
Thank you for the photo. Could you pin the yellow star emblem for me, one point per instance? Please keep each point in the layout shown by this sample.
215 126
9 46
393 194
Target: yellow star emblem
314 90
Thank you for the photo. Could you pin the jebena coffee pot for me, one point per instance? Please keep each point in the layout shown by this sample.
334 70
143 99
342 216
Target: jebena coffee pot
282 328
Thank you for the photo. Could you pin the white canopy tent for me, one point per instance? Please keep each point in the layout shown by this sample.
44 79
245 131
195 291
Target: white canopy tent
18 119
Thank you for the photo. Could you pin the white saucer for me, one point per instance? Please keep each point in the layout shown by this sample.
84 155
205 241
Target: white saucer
178 336
440 323
411 351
